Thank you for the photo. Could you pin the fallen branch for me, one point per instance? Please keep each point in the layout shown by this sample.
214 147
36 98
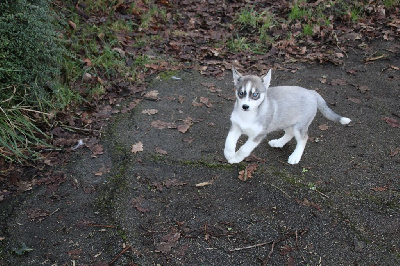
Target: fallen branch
252 246
120 254
102 225
375 58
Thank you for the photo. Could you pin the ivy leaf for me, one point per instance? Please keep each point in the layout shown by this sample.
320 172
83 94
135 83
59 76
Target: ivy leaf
21 251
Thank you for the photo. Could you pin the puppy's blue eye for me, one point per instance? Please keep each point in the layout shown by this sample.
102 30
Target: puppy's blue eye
255 95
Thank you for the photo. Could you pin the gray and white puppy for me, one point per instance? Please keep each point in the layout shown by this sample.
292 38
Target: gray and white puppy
260 109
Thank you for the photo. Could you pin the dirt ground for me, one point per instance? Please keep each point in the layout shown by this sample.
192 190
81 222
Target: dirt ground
176 201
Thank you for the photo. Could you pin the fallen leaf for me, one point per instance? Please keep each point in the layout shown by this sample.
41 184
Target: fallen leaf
379 189
181 99
394 152
322 79
161 151
187 123
37 214
354 100
248 172
183 128
102 171
72 24
392 122
151 95
363 89
130 106
75 253
340 82
168 242
137 203
339 55
137 147
150 111
87 61
206 102
306 202
352 71
203 184
323 127
22 250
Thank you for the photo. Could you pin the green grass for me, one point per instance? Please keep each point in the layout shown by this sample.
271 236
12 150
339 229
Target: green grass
249 18
18 133
238 45
307 29
391 3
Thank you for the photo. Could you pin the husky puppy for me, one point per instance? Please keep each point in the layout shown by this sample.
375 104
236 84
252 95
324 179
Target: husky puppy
260 109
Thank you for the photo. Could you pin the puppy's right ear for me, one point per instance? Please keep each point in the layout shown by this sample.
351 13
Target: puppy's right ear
236 75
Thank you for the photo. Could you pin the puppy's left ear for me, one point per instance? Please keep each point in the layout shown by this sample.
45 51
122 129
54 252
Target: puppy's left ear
236 75
267 79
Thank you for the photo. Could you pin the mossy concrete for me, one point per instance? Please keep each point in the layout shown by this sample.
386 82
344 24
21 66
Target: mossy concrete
339 206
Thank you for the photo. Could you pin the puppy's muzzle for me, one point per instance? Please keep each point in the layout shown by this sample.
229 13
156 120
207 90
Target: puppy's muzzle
245 107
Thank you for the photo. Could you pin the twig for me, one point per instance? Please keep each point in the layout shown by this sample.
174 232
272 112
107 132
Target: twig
120 254
375 58
269 254
102 225
282 191
252 246
326 196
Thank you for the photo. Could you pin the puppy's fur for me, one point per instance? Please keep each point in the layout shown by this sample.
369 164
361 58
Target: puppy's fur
260 109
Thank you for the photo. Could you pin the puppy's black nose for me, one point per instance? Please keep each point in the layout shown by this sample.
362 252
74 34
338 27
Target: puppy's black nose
245 106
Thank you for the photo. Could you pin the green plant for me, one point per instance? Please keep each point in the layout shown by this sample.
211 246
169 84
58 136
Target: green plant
307 29
248 18
31 60
391 3
239 44
299 12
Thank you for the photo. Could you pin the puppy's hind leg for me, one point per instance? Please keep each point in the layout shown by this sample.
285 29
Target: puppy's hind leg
301 139
279 143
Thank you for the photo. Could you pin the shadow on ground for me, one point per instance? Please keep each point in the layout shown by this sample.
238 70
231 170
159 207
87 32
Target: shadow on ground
178 202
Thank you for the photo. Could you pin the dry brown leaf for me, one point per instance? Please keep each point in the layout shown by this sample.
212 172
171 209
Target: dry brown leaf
87 61
181 99
203 184
340 82
323 127
392 122
161 151
363 89
394 152
151 95
379 189
137 147
248 172
72 24
183 128
150 111
102 171
206 102
354 100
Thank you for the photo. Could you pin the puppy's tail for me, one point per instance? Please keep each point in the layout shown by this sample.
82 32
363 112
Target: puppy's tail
328 113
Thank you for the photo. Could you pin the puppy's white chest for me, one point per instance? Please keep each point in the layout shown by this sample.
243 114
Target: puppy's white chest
247 124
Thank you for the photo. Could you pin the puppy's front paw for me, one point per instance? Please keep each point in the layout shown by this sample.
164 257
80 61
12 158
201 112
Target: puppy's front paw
229 155
276 143
235 160
294 159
